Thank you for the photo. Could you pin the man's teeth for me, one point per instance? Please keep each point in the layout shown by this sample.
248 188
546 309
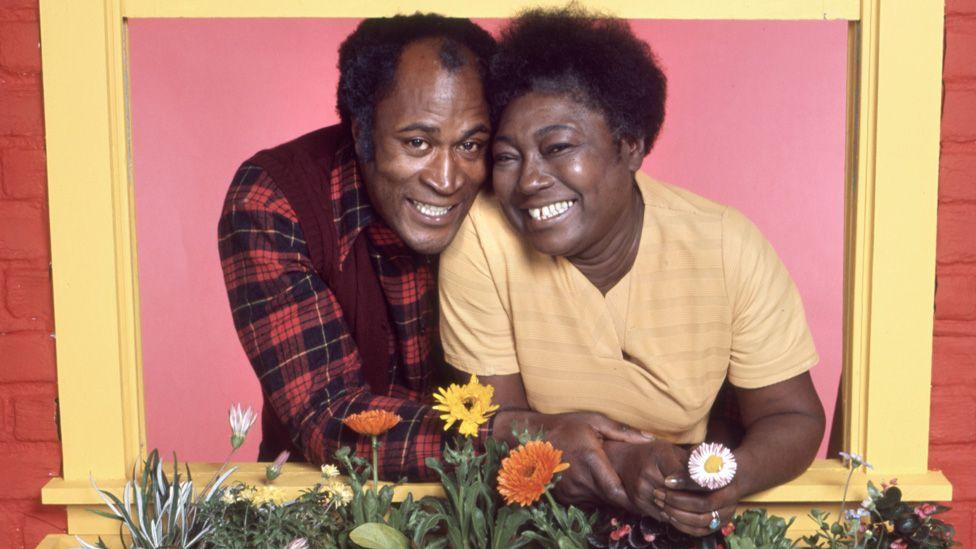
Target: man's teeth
551 210
431 210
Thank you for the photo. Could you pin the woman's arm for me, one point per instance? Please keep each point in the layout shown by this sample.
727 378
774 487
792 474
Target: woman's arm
784 425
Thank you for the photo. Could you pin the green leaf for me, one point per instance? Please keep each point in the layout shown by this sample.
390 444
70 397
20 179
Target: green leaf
376 535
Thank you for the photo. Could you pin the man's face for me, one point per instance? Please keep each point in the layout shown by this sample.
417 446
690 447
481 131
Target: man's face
430 136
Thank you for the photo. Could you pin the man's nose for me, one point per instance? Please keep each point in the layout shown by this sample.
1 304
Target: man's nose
444 174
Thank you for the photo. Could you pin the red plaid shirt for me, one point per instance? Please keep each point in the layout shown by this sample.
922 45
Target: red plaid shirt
294 333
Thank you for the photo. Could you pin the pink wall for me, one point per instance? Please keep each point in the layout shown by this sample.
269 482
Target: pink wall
755 120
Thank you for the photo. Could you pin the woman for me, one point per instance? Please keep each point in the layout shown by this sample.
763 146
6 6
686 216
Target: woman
576 287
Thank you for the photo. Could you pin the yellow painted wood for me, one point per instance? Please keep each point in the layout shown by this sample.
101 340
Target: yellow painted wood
657 9
823 482
84 143
893 128
901 57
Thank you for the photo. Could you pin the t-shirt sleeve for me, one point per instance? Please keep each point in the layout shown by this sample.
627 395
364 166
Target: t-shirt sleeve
476 330
771 341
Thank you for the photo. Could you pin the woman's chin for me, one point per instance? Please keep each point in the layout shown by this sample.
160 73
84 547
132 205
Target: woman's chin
550 246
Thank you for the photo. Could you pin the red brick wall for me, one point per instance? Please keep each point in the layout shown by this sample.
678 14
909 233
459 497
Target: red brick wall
952 443
29 450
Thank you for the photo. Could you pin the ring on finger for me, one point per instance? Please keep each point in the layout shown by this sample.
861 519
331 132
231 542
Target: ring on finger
715 522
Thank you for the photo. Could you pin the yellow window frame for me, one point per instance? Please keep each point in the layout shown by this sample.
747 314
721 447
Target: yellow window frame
893 129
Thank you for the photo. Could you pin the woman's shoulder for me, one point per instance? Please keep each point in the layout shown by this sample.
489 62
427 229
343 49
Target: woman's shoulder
667 197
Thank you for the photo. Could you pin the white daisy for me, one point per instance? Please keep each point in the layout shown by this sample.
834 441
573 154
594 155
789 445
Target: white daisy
712 465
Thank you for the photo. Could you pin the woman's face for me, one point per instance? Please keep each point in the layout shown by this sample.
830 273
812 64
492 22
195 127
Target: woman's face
562 179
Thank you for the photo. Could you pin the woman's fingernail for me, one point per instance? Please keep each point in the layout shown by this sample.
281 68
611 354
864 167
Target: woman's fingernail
648 436
673 482
658 494
658 502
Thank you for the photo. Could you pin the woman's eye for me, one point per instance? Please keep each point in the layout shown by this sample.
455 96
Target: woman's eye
500 158
418 143
557 148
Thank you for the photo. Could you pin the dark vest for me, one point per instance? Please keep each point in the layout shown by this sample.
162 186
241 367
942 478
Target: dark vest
300 169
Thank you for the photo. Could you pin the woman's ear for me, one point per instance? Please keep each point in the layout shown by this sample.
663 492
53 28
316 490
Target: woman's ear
632 151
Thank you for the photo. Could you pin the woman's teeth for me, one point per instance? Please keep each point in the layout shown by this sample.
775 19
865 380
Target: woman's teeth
551 210
430 210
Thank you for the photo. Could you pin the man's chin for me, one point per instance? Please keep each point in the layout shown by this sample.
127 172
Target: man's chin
430 242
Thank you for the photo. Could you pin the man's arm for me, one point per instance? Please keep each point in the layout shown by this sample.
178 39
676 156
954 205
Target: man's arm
295 336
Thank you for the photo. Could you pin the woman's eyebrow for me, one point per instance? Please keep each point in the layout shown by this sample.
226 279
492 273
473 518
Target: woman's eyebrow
542 132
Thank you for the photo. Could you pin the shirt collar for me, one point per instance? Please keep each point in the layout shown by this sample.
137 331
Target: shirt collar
351 209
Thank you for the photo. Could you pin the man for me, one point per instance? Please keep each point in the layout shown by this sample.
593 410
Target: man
326 241
328 245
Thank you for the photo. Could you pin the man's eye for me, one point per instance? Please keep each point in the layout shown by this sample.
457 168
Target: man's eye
502 158
471 146
418 143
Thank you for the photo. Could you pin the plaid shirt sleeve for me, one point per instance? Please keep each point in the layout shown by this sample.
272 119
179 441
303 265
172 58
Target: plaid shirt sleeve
296 338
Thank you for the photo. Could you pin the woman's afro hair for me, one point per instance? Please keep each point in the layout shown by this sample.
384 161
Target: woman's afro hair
369 56
595 59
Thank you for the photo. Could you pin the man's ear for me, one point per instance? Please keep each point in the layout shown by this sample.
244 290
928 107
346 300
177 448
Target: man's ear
357 135
632 151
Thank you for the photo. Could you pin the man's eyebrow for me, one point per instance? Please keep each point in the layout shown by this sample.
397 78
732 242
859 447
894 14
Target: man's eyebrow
426 128
480 128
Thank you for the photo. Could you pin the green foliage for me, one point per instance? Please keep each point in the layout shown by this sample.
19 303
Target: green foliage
239 524
472 514
376 535
883 520
158 511
754 529
557 527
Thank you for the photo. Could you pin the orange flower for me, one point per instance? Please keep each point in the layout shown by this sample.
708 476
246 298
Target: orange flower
372 422
527 471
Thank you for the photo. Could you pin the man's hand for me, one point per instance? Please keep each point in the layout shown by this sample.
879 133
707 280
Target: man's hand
645 469
590 479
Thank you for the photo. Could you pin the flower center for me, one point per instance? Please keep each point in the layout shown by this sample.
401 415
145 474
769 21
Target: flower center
713 464
528 470
468 403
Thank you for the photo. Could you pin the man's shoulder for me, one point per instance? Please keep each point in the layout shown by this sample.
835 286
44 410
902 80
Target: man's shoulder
318 144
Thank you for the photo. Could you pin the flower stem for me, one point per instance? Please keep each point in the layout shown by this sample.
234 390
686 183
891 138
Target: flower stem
376 470
843 499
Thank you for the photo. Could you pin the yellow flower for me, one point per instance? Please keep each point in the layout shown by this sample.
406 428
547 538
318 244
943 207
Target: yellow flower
262 495
339 492
469 404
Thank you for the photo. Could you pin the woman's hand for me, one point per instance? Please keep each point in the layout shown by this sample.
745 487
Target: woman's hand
692 510
644 470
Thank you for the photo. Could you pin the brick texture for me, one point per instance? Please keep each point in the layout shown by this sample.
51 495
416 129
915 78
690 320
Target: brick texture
29 450
952 440
23 175
20 46
960 60
956 180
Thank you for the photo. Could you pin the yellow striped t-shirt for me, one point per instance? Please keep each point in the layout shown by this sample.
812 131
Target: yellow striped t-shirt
707 298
